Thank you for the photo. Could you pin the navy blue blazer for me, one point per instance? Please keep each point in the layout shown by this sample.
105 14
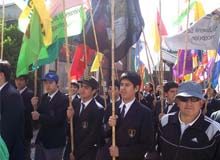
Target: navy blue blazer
12 121
134 134
27 94
52 133
87 130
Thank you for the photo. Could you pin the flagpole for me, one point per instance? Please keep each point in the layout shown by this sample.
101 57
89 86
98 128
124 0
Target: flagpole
177 66
69 81
85 48
186 39
161 69
97 48
35 85
3 23
148 61
113 72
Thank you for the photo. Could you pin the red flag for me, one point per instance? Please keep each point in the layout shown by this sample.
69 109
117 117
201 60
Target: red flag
161 26
79 64
205 59
198 72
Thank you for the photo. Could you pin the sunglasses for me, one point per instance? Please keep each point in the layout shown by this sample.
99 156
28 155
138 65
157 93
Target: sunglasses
186 99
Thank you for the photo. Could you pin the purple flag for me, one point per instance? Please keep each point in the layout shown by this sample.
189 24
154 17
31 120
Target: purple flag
178 68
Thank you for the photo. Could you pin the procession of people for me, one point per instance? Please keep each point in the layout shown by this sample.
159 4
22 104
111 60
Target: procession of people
171 127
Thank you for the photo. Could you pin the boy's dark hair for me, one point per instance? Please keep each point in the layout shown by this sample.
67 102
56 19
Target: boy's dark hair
170 85
117 84
133 77
5 68
24 76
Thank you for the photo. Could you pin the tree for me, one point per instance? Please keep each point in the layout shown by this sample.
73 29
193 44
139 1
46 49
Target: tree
12 44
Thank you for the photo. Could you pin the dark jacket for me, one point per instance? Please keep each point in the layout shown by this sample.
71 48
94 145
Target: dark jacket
157 110
12 121
87 131
149 98
108 112
100 100
199 141
212 106
27 94
134 134
52 133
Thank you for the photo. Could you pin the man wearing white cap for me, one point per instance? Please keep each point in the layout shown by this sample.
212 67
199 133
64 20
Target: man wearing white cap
188 134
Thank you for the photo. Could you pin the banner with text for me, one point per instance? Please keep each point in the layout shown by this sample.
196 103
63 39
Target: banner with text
203 35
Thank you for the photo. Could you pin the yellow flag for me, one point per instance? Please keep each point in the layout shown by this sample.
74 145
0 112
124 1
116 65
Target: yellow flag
195 61
156 37
97 62
198 11
24 19
188 77
45 20
211 54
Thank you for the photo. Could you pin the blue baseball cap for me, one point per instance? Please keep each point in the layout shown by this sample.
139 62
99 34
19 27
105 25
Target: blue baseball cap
190 89
50 76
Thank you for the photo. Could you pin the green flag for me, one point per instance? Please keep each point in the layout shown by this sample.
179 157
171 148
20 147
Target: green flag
32 47
76 18
184 13
4 155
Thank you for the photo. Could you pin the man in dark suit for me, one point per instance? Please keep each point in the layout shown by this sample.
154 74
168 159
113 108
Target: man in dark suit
134 128
108 110
117 93
148 95
51 114
74 89
87 121
11 114
75 98
169 105
27 94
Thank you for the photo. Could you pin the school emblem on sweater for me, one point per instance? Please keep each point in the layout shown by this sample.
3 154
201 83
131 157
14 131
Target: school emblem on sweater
131 133
84 124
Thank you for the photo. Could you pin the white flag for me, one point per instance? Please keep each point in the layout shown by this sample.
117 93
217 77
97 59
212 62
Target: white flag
203 35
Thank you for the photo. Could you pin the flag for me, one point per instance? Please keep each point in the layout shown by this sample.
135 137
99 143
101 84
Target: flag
78 64
137 65
178 68
184 13
203 35
161 25
97 62
211 62
198 11
74 28
25 16
75 19
128 27
56 6
45 20
21 3
216 71
32 47
158 30
198 74
195 59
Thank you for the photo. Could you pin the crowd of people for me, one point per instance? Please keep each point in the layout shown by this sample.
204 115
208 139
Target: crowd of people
181 124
